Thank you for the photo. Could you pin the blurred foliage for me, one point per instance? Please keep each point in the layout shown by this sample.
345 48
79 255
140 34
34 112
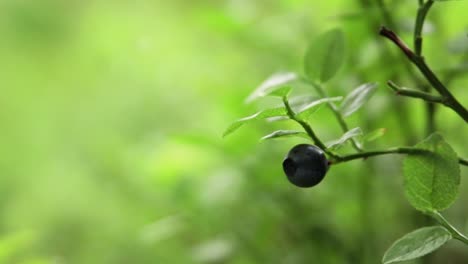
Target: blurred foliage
111 118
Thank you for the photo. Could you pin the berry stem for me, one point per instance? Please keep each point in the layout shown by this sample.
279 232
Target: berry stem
367 154
336 112
398 150
335 159
308 129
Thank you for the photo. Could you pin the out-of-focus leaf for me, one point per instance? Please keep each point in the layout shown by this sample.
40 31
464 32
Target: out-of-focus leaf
281 92
280 111
407 25
162 229
361 14
325 55
285 133
458 70
432 178
352 133
459 44
38 260
297 102
277 118
310 108
417 244
14 244
277 84
356 98
374 134
213 251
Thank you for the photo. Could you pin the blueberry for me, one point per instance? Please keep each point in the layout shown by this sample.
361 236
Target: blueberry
305 165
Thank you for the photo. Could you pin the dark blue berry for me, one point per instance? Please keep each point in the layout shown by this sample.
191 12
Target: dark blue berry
305 165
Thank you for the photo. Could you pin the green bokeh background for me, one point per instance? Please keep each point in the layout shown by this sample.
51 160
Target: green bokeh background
111 115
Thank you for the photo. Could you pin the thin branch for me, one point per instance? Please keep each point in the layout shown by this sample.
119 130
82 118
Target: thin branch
415 93
292 115
336 112
423 10
430 108
419 62
463 161
395 39
389 20
419 24
367 154
398 150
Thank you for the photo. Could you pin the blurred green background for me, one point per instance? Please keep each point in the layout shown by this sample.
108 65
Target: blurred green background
111 118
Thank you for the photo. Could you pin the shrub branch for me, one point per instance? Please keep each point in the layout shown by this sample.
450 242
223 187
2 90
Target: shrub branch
419 25
416 94
397 150
420 63
307 128
339 117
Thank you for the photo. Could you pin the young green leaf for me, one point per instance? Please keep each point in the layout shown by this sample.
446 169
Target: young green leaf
278 84
352 133
325 55
356 98
306 110
280 111
432 178
277 118
417 244
374 134
285 133
281 92
298 101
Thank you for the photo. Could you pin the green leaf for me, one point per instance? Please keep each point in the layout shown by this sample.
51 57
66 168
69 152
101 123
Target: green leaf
374 134
417 244
432 178
278 84
325 55
280 111
277 118
356 98
306 110
281 92
352 133
297 102
285 133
